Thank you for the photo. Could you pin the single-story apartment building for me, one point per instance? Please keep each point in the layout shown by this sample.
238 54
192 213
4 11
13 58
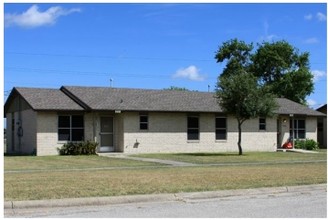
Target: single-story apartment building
125 120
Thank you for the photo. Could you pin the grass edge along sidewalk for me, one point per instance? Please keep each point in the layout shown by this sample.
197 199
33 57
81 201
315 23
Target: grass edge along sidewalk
152 180
182 197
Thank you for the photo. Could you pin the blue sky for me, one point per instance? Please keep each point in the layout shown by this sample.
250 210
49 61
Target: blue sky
150 45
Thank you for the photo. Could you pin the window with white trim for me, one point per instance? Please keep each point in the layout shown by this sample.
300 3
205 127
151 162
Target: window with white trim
299 128
70 128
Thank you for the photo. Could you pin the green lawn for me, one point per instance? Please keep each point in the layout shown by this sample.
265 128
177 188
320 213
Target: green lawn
21 163
251 157
144 179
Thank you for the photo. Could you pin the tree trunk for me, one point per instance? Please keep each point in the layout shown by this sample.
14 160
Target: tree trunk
239 137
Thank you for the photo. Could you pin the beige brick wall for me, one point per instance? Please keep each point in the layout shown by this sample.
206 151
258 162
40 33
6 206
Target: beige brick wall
47 136
168 133
311 128
27 142
9 133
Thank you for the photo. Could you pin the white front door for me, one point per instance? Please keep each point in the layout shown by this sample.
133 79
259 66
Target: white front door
106 134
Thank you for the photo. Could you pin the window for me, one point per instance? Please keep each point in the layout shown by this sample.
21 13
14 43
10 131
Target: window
299 128
262 124
193 128
143 119
70 128
220 128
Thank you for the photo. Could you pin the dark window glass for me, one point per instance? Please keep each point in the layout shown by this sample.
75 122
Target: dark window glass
64 121
220 134
77 134
221 122
220 128
193 128
193 122
301 134
193 134
143 122
143 126
71 128
64 134
262 124
77 121
299 128
144 118
301 124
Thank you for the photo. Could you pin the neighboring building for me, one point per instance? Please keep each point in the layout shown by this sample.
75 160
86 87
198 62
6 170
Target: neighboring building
322 127
143 121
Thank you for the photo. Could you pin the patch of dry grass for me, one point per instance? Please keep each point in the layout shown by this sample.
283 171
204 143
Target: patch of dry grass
247 157
53 185
17 163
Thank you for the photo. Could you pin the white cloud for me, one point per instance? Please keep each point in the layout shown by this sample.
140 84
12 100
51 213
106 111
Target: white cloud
308 17
317 74
34 18
321 17
267 36
191 73
311 102
312 40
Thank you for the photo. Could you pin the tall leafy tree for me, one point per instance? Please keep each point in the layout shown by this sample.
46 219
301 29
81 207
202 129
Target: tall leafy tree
278 65
240 95
238 91
285 70
236 53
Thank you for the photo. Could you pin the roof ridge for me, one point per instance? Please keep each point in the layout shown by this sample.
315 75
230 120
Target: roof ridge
73 97
138 89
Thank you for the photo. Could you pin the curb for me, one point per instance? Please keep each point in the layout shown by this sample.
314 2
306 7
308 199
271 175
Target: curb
115 200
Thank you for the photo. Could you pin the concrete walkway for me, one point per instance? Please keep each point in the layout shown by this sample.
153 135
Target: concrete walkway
166 162
298 151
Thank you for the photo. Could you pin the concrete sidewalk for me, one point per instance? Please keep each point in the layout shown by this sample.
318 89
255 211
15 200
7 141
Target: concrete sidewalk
166 162
183 197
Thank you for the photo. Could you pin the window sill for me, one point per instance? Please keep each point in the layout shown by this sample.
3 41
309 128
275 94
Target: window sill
221 141
192 141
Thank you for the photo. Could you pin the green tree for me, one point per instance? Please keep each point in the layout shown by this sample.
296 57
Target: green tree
240 95
284 70
238 90
176 88
236 53
278 65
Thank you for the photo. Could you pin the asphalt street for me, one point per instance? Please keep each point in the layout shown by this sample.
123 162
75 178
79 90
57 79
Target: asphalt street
293 204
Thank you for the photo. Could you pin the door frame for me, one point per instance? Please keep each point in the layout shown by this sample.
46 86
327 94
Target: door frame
106 148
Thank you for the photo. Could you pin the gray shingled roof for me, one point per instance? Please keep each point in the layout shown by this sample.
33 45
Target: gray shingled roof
287 106
104 98
46 99
100 98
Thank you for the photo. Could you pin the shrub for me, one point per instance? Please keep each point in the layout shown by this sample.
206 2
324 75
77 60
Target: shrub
80 148
307 144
